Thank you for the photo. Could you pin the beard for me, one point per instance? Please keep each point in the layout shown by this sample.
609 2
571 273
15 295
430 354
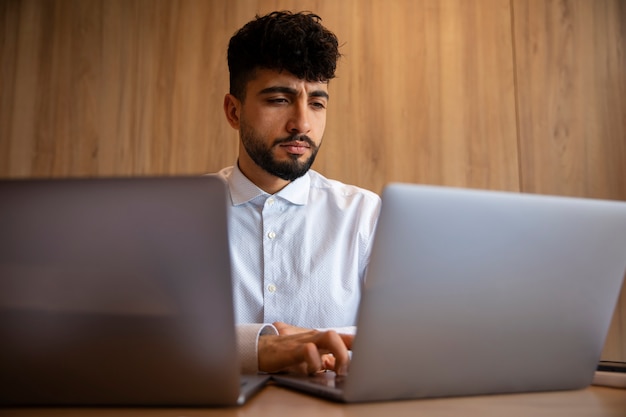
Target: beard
263 155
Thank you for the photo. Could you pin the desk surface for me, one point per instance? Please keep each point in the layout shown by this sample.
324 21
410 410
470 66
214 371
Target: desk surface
276 401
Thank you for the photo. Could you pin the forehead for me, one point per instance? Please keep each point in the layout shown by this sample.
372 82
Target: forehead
265 78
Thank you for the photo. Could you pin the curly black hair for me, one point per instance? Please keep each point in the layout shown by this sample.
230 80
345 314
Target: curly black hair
282 41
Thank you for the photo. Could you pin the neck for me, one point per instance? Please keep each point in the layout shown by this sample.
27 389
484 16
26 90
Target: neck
261 178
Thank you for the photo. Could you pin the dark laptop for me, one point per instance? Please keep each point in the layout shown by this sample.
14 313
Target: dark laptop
480 292
117 292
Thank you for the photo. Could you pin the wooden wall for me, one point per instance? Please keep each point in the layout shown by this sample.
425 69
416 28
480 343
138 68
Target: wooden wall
520 95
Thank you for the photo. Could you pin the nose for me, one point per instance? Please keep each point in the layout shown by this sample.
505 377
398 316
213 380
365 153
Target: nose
298 122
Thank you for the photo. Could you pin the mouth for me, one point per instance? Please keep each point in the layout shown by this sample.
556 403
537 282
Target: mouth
295 147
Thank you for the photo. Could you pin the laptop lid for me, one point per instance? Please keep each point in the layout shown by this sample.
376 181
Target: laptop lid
479 292
116 291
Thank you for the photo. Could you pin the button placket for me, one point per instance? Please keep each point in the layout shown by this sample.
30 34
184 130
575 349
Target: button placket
271 216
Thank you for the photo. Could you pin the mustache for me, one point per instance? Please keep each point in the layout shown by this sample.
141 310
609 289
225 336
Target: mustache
294 138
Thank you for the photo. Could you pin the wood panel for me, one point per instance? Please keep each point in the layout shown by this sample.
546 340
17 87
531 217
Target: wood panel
423 94
571 72
113 88
571 94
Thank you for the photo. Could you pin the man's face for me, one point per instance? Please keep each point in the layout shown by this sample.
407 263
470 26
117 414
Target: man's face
282 121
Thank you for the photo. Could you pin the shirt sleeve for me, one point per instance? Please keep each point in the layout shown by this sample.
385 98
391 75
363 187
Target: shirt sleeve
248 342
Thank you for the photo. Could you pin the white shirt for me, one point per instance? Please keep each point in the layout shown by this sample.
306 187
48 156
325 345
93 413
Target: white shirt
299 256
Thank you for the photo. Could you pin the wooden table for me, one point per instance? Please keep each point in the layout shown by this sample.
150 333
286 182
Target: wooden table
276 402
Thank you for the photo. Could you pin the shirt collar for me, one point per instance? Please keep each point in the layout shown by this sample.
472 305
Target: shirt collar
242 190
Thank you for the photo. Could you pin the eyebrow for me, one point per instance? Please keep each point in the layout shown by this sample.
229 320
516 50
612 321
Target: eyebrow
293 92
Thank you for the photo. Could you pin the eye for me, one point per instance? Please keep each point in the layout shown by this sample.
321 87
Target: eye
277 100
318 105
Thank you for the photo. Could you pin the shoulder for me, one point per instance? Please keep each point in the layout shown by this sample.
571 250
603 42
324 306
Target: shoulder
224 173
339 190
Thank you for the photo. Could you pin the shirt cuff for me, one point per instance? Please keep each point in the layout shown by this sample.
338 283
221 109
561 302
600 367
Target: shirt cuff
248 343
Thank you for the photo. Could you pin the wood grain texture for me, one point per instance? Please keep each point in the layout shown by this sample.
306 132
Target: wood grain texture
615 345
571 79
115 87
424 92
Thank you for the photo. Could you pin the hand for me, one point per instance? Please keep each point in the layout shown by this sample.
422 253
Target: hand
284 329
304 351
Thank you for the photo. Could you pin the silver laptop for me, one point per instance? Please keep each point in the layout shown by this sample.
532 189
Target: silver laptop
117 292
478 292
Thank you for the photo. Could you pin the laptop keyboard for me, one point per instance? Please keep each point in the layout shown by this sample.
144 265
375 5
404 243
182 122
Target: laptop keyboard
329 380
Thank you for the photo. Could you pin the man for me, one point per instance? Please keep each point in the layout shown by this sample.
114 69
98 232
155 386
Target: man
300 243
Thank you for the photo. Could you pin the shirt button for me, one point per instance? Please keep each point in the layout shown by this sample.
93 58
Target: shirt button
270 201
271 235
271 288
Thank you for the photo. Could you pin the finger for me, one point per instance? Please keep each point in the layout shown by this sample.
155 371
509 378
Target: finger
285 329
302 357
331 342
328 361
348 339
311 358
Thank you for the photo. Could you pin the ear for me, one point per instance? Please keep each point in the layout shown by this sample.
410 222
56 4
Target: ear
232 110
